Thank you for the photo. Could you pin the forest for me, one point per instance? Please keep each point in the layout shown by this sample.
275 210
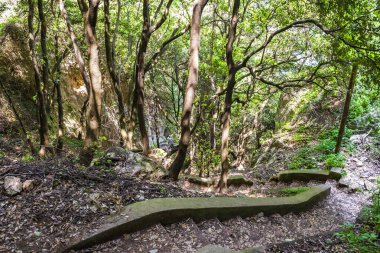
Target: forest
190 126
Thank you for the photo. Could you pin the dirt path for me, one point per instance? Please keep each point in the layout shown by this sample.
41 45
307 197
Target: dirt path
67 201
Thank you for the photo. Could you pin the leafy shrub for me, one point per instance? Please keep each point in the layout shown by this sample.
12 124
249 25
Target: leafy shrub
303 160
334 160
326 146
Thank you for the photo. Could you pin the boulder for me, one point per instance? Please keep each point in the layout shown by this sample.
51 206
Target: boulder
116 154
158 153
238 181
12 185
136 164
351 182
28 185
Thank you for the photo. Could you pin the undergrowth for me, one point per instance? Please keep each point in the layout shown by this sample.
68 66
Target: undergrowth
310 156
365 237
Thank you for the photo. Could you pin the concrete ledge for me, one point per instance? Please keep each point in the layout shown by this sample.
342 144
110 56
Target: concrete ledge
219 249
308 175
238 181
144 214
201 181
303 175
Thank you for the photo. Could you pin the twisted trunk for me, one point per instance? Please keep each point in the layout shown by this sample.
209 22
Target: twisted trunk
192 81
226 118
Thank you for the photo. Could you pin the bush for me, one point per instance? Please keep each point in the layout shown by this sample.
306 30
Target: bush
364 237
334 160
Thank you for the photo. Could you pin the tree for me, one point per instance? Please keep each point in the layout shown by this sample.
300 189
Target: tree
138 101
41 102
226 117
346 109
115 77
192 81
92 106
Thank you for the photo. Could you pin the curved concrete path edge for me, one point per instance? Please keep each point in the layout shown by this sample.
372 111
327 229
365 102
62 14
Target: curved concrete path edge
147 213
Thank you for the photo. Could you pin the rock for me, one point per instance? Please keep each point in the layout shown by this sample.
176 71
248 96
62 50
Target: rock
28 185
12 185
359 163
116 154
350 182
139 165
335 173
157 153
238 181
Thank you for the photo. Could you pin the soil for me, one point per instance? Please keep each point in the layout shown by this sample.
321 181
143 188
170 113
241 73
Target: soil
67 200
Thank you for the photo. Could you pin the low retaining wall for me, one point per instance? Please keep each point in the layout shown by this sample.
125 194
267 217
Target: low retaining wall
144 214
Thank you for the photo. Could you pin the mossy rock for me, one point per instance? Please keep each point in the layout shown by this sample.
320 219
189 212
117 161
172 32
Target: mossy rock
336 173
238 181
201 181
303 175
147 213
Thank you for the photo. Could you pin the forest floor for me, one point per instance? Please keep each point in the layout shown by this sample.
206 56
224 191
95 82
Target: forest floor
67 200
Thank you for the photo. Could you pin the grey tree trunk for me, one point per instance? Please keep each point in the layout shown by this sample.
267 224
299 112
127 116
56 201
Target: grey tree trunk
192 82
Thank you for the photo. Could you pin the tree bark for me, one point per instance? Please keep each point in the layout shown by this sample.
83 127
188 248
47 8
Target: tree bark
192 81
346 109
45 60
140 76
79 60
226 117
42 116
138 101
110 55
57 84
94 107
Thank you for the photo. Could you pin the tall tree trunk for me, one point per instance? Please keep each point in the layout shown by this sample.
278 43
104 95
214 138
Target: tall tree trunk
57 84
79 60
192 81
346 109
110 55
138 101
42 116
45 60
94 107
140 77
226 118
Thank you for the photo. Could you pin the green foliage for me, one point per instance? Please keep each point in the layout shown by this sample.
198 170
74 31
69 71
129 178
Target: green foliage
322 152
334 160
364 237
27 158
74 143
303 160
325 146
